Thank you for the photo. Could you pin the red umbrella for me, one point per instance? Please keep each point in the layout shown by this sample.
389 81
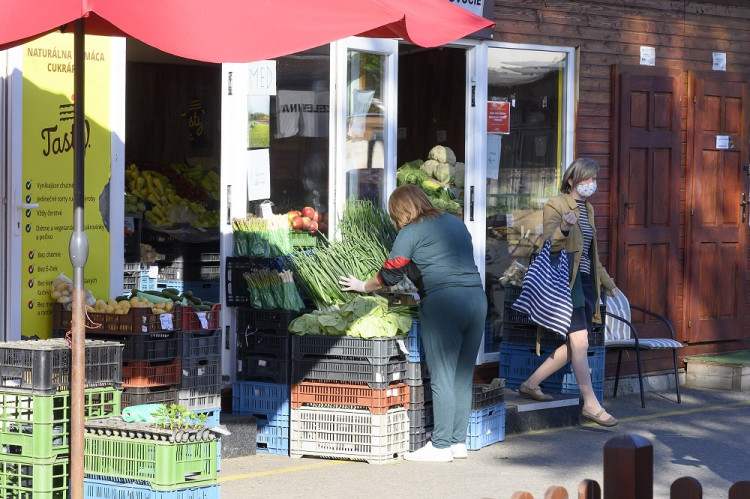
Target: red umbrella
240 30
212 31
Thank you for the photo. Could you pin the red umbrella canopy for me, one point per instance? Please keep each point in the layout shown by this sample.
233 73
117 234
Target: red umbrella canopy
240 30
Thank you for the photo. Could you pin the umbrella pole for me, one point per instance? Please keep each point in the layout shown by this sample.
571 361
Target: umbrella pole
79 251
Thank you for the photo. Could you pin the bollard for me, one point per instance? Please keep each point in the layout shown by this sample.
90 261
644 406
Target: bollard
628 468
739 490
589 489
686 487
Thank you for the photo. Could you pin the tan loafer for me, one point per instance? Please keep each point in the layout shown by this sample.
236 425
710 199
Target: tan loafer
597 418
533 393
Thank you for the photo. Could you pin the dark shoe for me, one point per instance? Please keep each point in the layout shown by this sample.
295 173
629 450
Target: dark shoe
597 418
533 393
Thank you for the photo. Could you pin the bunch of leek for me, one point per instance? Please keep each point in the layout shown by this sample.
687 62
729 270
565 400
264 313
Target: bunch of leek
262 237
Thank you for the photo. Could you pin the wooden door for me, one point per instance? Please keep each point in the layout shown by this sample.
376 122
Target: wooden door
716 221
647 189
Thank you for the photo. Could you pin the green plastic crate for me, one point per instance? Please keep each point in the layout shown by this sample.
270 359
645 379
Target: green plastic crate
163 465
40 479
38 426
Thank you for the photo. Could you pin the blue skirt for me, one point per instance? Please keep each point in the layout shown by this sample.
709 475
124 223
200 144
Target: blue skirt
583 317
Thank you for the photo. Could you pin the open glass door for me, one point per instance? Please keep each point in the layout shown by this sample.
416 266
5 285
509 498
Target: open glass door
365 72
529 140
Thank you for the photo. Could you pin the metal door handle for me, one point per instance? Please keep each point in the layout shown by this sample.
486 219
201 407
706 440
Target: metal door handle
625 204
744 204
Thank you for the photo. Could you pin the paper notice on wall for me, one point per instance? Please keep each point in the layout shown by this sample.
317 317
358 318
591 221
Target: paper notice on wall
494 142
258 175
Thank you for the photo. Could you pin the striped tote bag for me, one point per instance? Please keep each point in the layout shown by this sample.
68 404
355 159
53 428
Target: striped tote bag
545 294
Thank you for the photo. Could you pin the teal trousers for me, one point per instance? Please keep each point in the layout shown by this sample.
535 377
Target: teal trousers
452 324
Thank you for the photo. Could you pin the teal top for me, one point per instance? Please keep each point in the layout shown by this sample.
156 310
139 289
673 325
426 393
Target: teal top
436 253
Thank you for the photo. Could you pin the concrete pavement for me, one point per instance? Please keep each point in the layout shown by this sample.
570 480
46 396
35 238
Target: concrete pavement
707 437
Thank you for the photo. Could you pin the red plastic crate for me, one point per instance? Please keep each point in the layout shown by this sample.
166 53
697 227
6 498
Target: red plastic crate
191 318
143 374
138 320
378 401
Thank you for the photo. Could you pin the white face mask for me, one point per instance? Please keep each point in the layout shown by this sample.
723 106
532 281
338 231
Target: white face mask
586 190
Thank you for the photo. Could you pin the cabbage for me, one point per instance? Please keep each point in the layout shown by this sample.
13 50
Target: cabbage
366 316
442 154
458 176
429 167
443 172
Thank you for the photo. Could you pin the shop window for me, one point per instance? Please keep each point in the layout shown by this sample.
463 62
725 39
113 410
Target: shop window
365 115
527 153
298 132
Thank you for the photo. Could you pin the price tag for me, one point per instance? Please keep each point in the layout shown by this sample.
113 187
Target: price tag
166 321
402 346
202 318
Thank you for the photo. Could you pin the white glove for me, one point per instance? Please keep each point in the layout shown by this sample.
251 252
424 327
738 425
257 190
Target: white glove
351 283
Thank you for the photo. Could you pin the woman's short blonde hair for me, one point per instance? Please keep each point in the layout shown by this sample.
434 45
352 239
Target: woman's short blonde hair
579 170
409 204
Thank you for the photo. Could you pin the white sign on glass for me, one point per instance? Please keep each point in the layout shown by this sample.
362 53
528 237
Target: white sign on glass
261 78
494 142
258 175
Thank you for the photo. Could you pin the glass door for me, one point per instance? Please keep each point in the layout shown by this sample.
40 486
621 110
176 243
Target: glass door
530 93
365 72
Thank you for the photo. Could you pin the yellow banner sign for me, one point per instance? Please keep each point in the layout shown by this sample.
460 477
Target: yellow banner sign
48 172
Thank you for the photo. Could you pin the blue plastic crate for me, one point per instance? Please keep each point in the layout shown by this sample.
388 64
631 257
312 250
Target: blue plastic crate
266 401
214 415
272 439
518 362
106 489
416 350
205 290
162 285
486 426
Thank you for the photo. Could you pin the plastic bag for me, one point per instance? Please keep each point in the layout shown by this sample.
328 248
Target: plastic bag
513 275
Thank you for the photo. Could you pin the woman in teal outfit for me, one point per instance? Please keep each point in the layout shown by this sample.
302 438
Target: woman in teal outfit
434 249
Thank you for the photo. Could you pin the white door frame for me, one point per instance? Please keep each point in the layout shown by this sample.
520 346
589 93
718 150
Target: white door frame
338 118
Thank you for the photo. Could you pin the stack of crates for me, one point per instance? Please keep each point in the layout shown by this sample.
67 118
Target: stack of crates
420 397
200 383
487 417
263 374
35 410
518 358
145 461
348 398
136 276
152 354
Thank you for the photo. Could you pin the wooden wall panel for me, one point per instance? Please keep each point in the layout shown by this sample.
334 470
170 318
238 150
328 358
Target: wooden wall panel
610 32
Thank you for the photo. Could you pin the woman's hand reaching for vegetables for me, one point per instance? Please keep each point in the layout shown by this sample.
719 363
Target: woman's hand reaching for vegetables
351 283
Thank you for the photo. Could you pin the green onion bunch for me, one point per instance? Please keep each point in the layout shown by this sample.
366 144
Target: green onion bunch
367 235
262 237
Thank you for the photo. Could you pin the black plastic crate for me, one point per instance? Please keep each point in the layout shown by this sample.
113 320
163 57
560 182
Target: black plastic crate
236 286
44 366
525 334
261 319
151 347
266 343
420 394
157 395
356 371
200 343
374 350
197 373
263 368
487 395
